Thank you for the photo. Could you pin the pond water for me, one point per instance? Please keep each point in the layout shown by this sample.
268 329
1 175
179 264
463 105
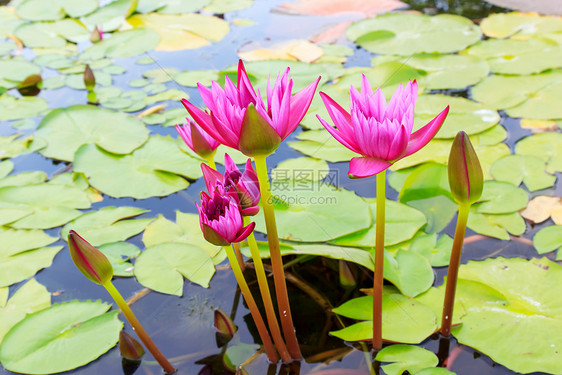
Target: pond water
183 326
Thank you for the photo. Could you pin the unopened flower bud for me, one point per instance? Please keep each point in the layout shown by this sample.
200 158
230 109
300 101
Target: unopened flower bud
89 260
129 347
224 324
96 35
465 173
89 79
257 137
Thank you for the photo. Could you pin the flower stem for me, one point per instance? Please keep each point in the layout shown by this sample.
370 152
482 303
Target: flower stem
447 317
146 340
239 258
266 297
256 315
379 262
276 260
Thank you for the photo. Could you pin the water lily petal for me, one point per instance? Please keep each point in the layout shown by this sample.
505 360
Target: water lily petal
366 166
245 232
300 102
422 137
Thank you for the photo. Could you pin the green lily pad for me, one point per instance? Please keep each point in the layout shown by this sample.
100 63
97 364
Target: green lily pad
123 44
320 144
225 6
23 265
408 33
6 167
66 129
500 197
516 333
409 271
523 168
315 212
534 96
302 169
181 31
548 239
498 226
14 71
238 353
317 107
158 168
9 21
403 319
170 7
401 223
55 338
13 145
443 71
162 267
503 25
191 78
29 298
119 255
186 230
546 146
17 241
107 225
507 56
408 358
464 114
52 34
45 205
437 251
109 17
52 10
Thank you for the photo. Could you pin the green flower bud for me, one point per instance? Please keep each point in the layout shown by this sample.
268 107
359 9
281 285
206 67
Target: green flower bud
89 260
89 78
465 174
129 347
224 324
257 136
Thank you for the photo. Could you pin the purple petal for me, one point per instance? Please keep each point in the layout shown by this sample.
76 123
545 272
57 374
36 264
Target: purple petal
250 211
245 232
422 137
213 236
350 144
366 166
211 177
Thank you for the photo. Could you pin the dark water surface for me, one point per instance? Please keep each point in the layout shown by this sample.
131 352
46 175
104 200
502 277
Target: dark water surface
182 327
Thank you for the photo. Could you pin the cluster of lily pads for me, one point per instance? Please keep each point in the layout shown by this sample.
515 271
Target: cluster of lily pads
506 307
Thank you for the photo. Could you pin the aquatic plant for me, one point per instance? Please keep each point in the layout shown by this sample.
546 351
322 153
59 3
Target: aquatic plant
199 141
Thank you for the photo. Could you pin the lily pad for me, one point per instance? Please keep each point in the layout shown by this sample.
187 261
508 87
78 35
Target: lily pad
546 146
119 255
162 267
17 241
52 34
320 144
503 25
516 333
123 44
548 239
523 168
109 17
500 197
107 225
437 251
14 71
409 33
14 145
191 78
408 358
23 265
45 205
186 230
498 226
302 169
507 56
409 271
66 129
56 337
52 10
170 7
29 298
316 212
403 319
224 6
158 168
185 31
401 223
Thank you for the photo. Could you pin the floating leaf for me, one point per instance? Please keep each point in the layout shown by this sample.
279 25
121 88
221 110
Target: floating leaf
507 56
401 223
437 251
9 21
109 17
298 50
119 255
14 71
13 145
21 266
179 32
542 207
170 7
191 78
409 33
408 358
66 129
315 211
546 146
409 271
320 144
17 241
500 197
55 338
303 169
51 10
517 332
498 226
335 7
225 6
548 239
523 168
30 297
162 267
237 354
519 24
403 319
107 225
52 34
123 44
45 205
157 168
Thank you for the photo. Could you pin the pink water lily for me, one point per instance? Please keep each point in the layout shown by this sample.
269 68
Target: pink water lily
239 118
197 139
220 218
245 184
381 133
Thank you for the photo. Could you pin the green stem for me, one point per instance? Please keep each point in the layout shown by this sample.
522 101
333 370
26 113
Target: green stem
239 258
146 340
211 160
260 325
379 262
266 297
452 274
276 260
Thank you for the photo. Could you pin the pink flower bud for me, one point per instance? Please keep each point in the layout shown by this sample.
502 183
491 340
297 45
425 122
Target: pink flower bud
197 139
89 260
465 173
224 324
129 347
